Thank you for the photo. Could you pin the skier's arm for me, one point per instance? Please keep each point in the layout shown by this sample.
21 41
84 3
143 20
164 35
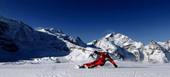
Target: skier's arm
93 56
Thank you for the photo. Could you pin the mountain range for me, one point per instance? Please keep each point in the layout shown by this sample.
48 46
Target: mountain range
18 41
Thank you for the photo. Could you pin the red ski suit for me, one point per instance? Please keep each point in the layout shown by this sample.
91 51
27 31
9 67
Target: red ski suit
101 59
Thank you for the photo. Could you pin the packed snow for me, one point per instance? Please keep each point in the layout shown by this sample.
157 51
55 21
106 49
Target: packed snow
50 69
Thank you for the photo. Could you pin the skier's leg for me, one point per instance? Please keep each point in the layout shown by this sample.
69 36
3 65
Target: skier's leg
96 64
93 66
115 65
103 63
90 65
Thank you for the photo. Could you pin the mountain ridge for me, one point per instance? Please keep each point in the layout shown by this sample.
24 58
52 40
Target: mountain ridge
19 40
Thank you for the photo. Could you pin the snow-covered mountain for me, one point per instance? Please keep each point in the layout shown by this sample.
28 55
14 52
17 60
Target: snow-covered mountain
78 49
121 45
127 49
20 41
154 52
59 34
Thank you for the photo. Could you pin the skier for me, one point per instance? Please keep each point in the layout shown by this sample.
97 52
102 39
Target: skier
101 59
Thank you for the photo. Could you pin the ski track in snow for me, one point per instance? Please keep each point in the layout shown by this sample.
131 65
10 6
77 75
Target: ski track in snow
126 69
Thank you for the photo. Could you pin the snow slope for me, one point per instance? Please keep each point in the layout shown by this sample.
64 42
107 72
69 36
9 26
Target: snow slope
78 49
18 41
126 69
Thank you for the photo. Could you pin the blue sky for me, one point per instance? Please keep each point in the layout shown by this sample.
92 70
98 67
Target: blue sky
142 20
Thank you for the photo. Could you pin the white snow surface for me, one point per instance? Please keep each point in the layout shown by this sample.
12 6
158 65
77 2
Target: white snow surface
66 69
